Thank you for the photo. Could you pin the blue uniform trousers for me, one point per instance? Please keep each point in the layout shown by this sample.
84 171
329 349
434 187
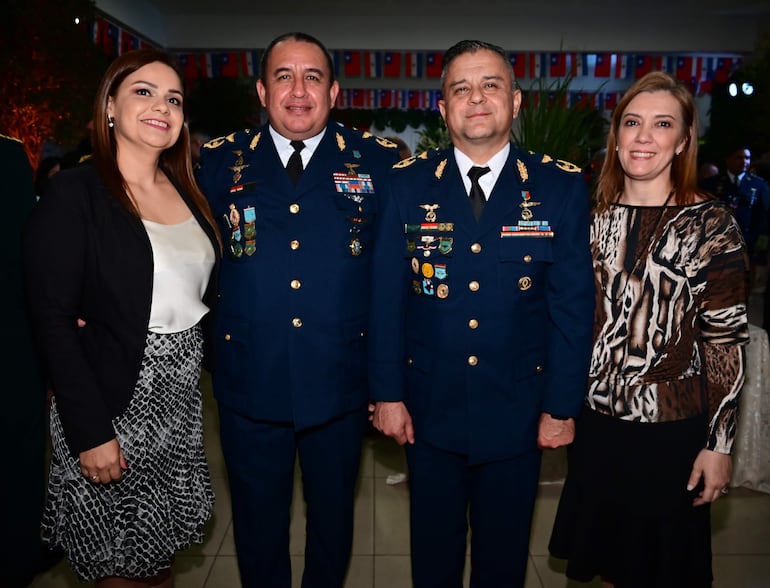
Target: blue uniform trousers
260 464
496 497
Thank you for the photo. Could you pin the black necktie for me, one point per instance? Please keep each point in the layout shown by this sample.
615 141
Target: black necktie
478 200
294 165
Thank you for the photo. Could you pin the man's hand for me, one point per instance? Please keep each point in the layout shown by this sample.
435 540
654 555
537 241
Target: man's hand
716 470
553 433
394 420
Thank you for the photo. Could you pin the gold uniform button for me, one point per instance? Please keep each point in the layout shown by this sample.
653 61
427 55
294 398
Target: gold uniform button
294 208
294 245
473 324
473 286
227 337
525 283
409 361
473 360
296 284
539 369
296 322
527 258
476 248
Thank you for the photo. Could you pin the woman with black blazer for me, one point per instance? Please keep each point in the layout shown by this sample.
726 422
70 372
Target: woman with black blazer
120 264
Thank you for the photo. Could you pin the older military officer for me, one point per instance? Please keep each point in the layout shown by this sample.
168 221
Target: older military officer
298 203
481 325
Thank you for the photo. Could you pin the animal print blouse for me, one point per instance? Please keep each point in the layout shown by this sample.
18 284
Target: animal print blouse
671 299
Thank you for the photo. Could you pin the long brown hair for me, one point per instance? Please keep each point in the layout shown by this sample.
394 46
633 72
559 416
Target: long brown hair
684 168
175 161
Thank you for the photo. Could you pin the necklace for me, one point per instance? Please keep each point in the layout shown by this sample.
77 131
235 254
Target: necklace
641 252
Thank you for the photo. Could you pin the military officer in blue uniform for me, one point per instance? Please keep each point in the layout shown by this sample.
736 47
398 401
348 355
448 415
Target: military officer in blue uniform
749 198
298 202
481 324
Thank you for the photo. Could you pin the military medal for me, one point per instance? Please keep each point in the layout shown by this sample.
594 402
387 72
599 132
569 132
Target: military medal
250 247
440 269
442 291
239 166
235 216
355 246
415 265
526 204
427 287
427 270
430 214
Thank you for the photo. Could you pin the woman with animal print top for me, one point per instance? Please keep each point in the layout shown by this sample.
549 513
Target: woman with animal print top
652 448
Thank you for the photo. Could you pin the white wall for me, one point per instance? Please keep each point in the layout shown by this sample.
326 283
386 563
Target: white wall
539 25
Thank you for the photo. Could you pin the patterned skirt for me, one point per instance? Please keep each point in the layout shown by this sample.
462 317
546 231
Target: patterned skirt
132 528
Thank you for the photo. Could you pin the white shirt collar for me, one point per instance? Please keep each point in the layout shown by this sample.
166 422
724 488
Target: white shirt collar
284 148
488 180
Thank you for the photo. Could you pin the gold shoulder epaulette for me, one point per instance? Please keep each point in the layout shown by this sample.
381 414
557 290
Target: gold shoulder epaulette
215 143
405 162
561 164
385 143
11 138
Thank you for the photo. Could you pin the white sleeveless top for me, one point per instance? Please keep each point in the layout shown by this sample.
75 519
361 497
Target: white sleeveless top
183 259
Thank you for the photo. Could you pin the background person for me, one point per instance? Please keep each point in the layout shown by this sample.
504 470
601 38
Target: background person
126 243
652 448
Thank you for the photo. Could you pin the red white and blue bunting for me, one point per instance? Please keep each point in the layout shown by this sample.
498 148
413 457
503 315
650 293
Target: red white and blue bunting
591 71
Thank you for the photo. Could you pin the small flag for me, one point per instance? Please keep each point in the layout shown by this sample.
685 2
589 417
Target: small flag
392 66
414 64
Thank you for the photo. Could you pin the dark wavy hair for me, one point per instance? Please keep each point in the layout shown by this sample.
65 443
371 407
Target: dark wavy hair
684 168
175 161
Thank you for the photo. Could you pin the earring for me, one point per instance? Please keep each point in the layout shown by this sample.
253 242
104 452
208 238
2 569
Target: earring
616 148
678 152
110 121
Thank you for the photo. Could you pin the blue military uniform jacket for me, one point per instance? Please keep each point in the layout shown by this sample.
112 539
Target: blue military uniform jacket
479 327
294 284
750 203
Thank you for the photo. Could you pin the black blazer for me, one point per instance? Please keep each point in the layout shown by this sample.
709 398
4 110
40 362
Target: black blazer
86 256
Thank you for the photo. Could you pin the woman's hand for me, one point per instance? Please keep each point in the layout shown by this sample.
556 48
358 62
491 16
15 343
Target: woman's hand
716 469
104 463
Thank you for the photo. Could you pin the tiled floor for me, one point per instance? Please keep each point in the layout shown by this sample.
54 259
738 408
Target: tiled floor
741 538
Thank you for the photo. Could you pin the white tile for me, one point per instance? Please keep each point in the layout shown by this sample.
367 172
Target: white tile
217 526
224 573
740 524
549 572
60 576
391 519
392 571
192 571
741 571
363 518
389 457
361 572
